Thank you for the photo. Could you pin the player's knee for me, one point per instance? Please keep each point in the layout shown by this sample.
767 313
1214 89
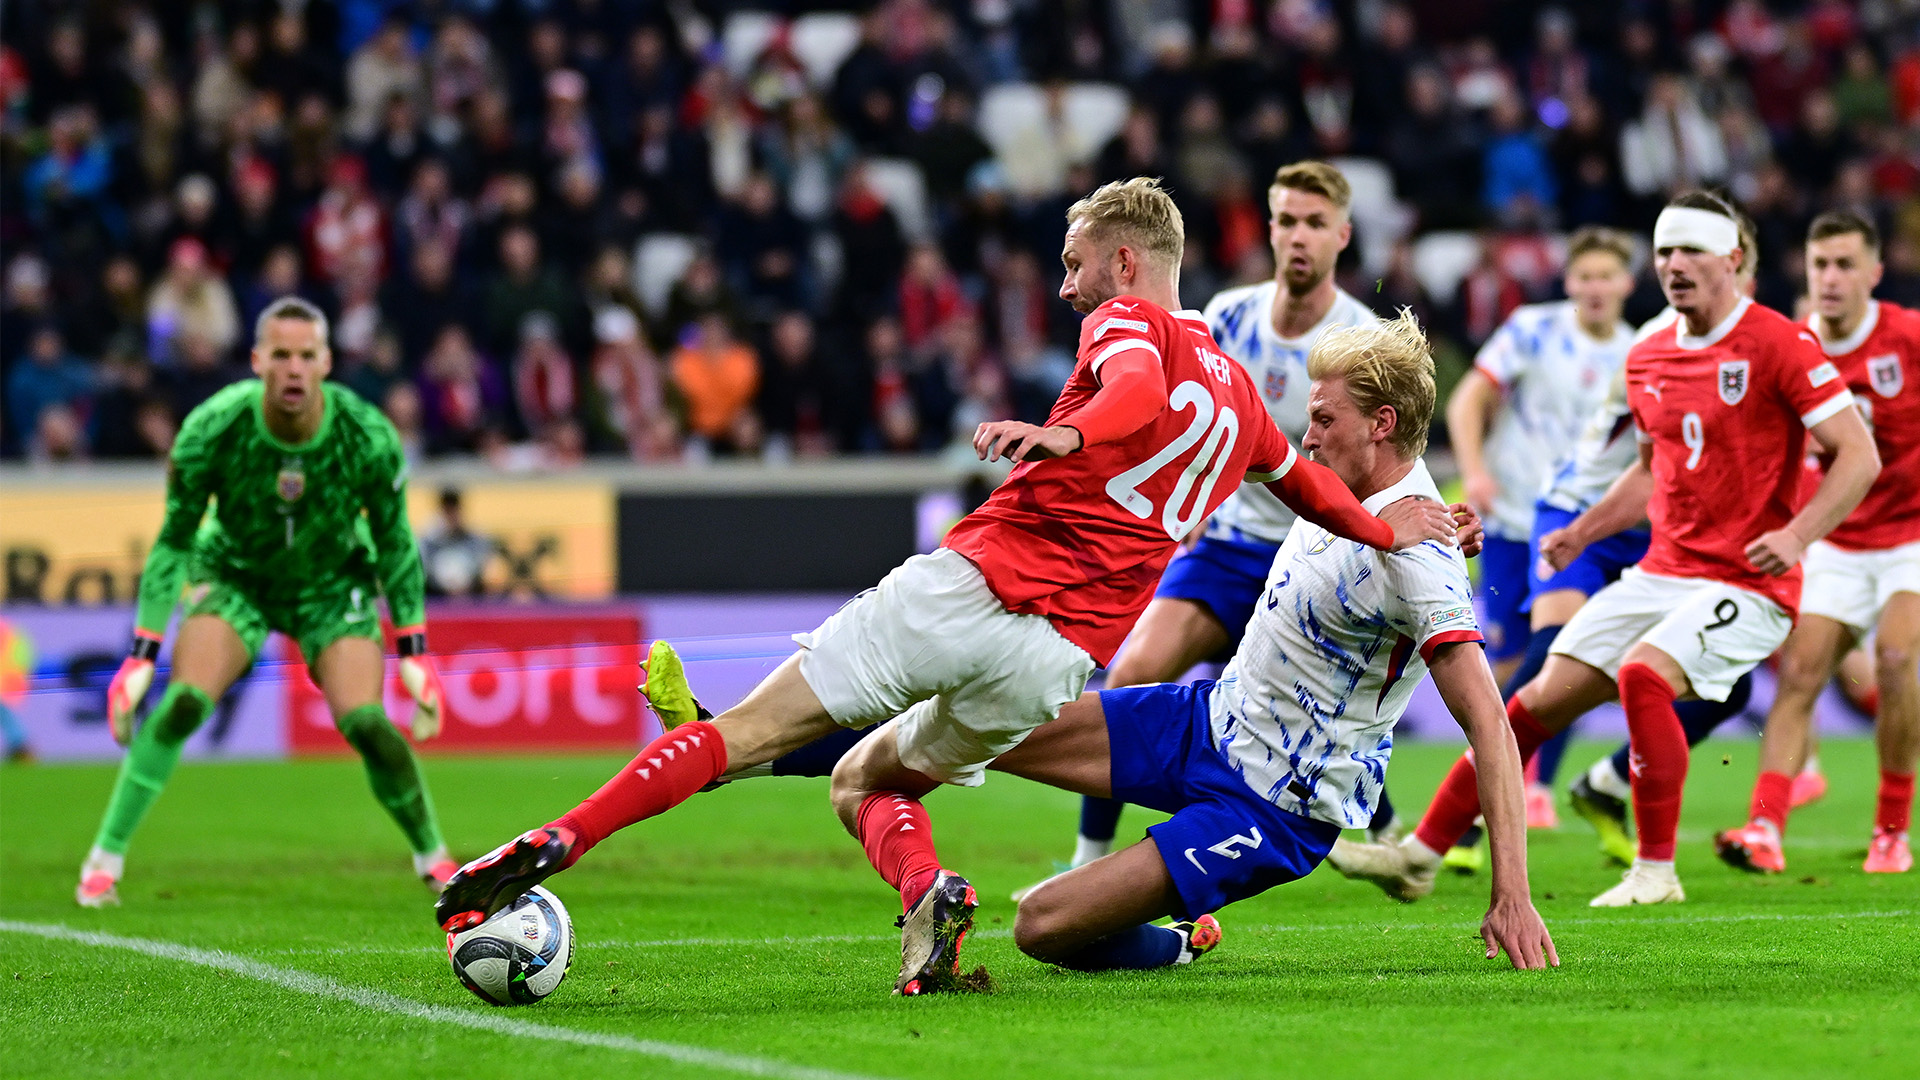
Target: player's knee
1803 674
1893 662
1039 929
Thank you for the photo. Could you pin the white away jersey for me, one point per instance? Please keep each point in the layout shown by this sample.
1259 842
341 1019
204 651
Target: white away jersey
1242 323
1606 447
1305 709
1552 377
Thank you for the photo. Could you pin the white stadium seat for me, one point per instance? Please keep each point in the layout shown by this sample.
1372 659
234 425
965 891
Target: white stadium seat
822 41
1095 112
901 186
1009 110
658 261
745 36
1442 259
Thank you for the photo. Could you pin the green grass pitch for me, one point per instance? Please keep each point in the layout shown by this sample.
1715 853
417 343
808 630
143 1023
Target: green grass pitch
745 935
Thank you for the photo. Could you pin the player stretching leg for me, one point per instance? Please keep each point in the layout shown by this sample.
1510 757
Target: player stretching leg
1866 573
1722 402
1532 387
1262 769
966 650
290 463
1204 601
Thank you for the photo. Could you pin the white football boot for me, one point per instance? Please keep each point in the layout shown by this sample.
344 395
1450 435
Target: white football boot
1404 870
1643 883
99 878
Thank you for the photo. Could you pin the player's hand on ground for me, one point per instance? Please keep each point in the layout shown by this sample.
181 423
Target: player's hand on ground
1018 441
1469 531
1415 519
130 685
1776 552
1513 926
422 681
1559 548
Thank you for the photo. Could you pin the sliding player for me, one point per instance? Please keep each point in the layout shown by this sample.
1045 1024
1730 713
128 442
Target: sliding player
308 528
968 649
1722 401
1207 595
1865 576
1262 769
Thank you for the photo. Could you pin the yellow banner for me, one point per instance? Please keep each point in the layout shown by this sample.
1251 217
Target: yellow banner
86 544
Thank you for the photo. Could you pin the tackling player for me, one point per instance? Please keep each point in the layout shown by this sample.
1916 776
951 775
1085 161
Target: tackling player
308 528
1865 576
1208 594
1262 769
1533 386
1722 402
966 650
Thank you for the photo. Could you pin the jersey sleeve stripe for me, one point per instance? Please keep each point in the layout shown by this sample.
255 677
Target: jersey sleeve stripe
1451 637
1829 408
1492 376
1119 347
1285 468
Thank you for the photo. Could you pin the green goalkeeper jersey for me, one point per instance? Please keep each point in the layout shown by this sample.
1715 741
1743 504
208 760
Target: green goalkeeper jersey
288 523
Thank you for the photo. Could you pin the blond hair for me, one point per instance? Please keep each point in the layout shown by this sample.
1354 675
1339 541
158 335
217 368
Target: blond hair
1387 364
1138 213
1313 177
1600 238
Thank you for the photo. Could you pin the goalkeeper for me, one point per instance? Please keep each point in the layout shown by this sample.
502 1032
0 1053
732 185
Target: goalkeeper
308 525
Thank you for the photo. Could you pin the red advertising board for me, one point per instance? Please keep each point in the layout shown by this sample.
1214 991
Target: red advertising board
516 679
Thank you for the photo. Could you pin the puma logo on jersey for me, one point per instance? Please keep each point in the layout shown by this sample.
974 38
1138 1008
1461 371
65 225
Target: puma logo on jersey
1651 390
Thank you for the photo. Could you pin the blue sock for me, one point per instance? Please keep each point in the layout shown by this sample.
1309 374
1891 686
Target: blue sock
1099 818
818 757
1138 949
1699 718
13 734
1538 647
1383 815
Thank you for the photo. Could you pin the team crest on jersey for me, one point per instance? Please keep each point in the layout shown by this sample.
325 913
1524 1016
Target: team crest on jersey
1886 375
1733 381
1276 383
292 482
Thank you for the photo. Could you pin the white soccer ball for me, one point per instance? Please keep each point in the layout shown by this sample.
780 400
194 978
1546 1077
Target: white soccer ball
520 955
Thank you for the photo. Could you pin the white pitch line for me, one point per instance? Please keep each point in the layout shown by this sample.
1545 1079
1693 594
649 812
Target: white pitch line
380 1001
1275 928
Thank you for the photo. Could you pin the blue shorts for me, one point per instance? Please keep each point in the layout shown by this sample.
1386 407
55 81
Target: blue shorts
1596 568
1505 571
1226 575
1224 843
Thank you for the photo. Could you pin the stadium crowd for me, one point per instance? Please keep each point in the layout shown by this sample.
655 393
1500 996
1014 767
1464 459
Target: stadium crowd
550 229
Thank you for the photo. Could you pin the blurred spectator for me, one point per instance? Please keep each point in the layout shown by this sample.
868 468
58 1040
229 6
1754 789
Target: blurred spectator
67 185
226 78
279 276
190 300
454 556
114 310
261 222
382 69
930 296
897 420
402 407
806 157
347 231
378 372
59 437
717 376
949 148
1432 153
626 404
524 286
796 399
1020 313
1813 152
48 376
543 381
763 247
872 249
1516 178
27 304
461 395
198 372
1672 145
130 419
701 291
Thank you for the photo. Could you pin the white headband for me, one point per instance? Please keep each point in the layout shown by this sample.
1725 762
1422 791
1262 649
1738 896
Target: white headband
1686 227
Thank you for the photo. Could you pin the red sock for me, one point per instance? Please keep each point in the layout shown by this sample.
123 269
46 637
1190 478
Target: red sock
1895 808
1659 759
1772 800
1457 802
1870 702
1532 771
667 773
898 837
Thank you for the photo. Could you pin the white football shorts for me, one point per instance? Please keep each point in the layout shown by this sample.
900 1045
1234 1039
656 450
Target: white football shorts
1852 587
932 645
1716 632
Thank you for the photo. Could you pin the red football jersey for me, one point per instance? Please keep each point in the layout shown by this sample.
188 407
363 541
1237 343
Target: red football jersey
1082 539
1880 361
1727 415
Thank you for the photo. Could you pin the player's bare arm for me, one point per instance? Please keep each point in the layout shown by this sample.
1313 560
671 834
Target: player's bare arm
1621 508
1466 684
1469 415
1855 463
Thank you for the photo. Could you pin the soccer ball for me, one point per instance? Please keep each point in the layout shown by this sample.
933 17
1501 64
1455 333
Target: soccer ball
520 955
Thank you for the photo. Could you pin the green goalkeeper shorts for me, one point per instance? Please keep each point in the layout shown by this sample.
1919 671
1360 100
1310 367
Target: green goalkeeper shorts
313 622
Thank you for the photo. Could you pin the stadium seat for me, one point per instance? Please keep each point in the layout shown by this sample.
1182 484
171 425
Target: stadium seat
1380 219
1007 112
1442 259
658 261
821 41
1095 112
900 184
745 36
